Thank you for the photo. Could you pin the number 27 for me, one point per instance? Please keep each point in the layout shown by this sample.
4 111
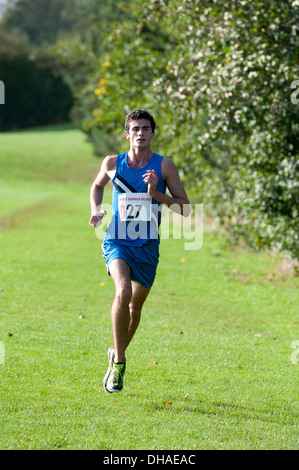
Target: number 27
130 209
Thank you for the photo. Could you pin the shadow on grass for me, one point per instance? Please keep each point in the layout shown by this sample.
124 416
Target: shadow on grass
224 410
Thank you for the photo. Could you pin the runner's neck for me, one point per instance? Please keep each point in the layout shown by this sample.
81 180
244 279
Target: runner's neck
139 159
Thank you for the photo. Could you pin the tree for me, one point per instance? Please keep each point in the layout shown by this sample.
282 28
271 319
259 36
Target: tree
222 90
34 96
236 61
41 21
134 54
35 91
80 56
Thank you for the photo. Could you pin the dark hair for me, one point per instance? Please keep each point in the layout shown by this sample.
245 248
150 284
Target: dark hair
139 114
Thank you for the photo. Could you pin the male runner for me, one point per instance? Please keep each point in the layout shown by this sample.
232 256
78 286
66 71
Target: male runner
131 244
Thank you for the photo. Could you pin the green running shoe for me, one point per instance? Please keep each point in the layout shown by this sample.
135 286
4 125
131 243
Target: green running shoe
116 378
110 359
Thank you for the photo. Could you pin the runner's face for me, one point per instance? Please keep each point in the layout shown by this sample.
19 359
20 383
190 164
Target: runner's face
140 133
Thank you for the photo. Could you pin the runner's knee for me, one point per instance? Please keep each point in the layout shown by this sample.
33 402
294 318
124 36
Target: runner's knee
123 294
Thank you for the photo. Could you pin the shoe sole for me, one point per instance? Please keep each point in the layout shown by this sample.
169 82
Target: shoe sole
112 391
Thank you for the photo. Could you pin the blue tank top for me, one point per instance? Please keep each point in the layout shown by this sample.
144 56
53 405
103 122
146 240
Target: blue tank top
136 216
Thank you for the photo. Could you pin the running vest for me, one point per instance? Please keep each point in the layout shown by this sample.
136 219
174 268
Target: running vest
136 216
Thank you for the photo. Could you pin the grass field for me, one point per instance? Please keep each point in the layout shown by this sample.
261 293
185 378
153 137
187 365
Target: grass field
212 365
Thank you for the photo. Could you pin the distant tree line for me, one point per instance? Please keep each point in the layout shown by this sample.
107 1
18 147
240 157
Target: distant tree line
47 50
35 93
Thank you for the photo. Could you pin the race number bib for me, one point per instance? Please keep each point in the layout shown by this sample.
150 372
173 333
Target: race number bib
135 206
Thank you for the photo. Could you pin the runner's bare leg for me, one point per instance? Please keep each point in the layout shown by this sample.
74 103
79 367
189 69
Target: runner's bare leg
120 312
126 307
139 294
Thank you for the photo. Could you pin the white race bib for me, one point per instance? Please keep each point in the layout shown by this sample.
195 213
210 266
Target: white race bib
135 206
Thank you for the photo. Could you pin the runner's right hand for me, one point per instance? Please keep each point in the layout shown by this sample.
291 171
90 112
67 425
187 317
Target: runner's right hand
96 218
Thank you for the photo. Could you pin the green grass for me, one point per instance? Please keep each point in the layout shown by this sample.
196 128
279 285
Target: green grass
218 328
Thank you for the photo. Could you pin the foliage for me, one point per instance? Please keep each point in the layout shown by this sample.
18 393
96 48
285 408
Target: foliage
134 57
221 89
35 92
63 37
41 21
34 96
80 56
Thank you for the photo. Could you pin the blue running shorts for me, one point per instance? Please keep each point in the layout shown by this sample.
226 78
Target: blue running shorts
142 260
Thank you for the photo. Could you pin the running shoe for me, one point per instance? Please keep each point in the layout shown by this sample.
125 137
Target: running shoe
116 378
110 359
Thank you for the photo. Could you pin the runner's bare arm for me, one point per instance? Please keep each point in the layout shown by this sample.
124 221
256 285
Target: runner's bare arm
178 201
97 189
